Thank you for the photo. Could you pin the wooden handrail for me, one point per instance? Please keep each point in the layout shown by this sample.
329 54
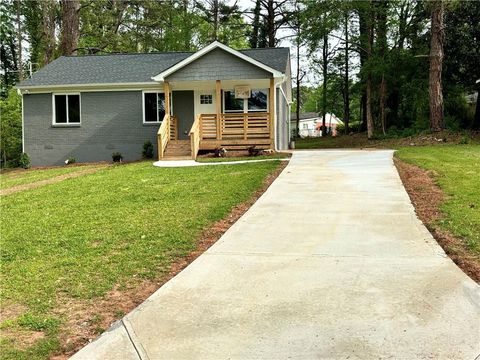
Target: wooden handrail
195 136
163 135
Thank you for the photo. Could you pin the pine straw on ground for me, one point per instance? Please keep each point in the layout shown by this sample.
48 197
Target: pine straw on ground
426 196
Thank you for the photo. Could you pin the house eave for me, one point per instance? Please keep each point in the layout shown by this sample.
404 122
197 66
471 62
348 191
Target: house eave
88 87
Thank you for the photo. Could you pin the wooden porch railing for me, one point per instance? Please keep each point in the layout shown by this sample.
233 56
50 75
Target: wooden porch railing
166 132
235 126
195 137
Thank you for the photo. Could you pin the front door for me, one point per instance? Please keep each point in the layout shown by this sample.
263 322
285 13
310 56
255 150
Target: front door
183 110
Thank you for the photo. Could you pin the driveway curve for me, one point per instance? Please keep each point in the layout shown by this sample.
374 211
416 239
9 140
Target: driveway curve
330 263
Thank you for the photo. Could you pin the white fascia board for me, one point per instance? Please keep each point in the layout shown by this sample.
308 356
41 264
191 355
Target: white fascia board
100 86
207 49
87 87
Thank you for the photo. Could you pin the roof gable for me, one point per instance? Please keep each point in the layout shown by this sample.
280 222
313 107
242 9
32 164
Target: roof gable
213 46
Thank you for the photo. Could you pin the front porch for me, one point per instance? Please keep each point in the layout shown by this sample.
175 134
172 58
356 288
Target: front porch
231 130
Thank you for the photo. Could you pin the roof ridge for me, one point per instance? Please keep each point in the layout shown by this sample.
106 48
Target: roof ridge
267 48
162 52
131 53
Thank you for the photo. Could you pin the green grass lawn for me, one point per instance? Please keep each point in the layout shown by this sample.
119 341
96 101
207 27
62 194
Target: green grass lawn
359 140
80 238
458 169
21 177
242 158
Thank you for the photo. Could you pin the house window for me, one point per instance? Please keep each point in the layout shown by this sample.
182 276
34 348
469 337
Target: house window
305 126
66 109
206 99
258 101
231 104
153 107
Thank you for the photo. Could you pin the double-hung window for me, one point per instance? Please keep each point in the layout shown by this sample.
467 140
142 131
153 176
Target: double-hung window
257 102
66 109
153 107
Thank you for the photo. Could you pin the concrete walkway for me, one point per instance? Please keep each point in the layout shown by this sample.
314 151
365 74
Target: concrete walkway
330 263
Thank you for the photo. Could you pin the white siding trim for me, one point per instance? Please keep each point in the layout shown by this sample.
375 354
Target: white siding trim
82 86
23 125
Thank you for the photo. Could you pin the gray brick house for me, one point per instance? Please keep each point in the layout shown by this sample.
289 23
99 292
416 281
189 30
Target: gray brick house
88 107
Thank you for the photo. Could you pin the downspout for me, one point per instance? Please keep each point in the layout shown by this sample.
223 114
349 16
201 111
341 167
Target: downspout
289 115
23 122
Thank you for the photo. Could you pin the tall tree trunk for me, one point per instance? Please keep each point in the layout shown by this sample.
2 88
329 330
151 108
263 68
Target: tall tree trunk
48 11
346 96
255 26
19 40
436 61
383 99
70 26
370 125
382 40
271 23
476 119
324 92
216 14
363 17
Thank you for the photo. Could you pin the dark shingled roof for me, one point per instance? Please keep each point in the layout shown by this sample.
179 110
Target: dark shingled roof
129 68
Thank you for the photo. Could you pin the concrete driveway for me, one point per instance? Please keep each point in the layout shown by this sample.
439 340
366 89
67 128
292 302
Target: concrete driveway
330 263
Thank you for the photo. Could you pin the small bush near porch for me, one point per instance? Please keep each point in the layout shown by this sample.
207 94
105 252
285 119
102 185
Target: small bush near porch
73 248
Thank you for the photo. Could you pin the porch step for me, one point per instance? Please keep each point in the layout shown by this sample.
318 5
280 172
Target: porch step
173 158
178 148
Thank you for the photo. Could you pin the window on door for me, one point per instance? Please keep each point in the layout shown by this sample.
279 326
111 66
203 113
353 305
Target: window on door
154 107
206 99
258 102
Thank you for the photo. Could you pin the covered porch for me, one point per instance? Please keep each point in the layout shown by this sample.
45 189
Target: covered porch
205 115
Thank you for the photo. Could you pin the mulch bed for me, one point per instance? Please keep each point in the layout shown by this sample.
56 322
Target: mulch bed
85 321
426 196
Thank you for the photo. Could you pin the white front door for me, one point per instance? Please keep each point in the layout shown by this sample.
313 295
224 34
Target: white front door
205 102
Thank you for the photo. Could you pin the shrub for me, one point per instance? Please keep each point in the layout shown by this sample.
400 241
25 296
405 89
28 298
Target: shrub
464 140
11 129
353 126
24 161
70 160
147 152
117 157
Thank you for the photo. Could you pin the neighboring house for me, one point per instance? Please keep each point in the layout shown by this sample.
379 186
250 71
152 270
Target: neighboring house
88 107
311 122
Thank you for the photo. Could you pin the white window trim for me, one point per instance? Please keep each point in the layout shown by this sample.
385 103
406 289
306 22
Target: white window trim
68 123
245 103
143 105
